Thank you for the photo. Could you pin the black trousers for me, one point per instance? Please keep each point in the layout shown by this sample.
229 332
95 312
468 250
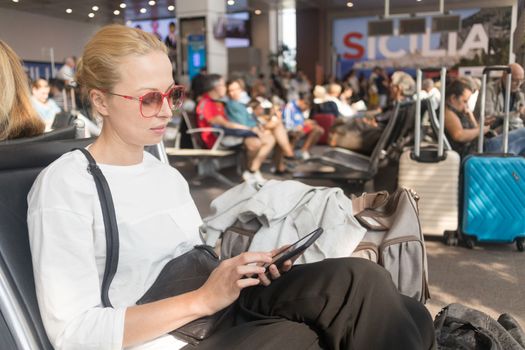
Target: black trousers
344 303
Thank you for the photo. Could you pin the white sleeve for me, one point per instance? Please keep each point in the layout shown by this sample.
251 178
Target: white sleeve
67 282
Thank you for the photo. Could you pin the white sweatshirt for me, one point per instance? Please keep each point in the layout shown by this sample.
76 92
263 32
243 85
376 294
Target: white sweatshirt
157 221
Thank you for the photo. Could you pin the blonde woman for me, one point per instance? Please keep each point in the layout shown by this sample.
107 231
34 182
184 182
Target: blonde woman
126 74
17 116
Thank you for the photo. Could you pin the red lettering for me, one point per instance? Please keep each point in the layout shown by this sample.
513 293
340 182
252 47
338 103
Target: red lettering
359 50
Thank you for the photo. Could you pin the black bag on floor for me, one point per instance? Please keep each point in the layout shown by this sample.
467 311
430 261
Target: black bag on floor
459 327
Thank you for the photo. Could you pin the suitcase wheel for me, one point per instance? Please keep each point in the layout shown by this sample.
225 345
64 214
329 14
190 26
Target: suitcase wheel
470 242
450 238
519 244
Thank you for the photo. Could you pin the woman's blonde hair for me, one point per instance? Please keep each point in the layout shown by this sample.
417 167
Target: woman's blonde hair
18 118
98 67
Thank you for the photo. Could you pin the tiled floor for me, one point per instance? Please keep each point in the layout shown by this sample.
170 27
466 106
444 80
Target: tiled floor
490 278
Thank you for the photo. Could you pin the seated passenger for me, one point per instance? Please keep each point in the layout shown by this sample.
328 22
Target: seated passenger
46 107
211 113
244 98
348 303
18 118
320 103
197 83
56 92
495 98
462 128
235 109
334 95
361 134
268 124
271 120
66 73
260 92
428 90
298 126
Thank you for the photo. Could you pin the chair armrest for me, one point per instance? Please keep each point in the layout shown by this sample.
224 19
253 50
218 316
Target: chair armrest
215 130
197 130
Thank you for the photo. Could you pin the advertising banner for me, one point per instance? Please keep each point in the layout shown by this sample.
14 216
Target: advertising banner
196 54
484 39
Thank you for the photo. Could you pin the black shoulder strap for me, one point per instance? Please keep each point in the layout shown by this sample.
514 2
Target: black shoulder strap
110 223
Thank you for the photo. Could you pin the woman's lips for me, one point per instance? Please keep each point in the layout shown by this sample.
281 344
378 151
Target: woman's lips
159 129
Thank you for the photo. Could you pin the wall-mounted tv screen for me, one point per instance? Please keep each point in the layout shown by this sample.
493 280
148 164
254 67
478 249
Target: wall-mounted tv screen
238 30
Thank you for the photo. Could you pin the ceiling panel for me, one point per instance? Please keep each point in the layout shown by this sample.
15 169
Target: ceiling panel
81 8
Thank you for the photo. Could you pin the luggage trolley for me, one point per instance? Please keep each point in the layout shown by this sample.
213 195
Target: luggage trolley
492 187
433 173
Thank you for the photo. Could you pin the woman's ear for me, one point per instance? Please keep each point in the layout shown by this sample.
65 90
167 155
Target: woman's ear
99 102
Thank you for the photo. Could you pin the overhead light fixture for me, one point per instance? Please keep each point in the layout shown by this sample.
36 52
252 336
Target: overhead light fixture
257 12
91 15
151 3
349 4
143 10
418 0
15 0
69 10
95 8
122 5
116 12
231 2
171 8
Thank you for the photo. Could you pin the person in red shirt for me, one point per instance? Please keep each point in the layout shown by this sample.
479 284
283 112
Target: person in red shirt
211 113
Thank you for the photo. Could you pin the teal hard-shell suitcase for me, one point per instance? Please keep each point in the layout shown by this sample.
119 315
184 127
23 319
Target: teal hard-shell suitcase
494 199
492 186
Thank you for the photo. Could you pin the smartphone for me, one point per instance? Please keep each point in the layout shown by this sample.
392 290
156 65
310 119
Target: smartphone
295 249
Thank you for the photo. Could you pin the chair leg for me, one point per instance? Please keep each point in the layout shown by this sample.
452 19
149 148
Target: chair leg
240 158
207 168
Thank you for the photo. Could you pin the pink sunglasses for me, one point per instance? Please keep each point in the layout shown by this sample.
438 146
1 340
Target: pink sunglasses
151 103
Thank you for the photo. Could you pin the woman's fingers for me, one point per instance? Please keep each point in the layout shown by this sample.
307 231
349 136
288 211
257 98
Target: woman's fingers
265 281
287 265
249 270
247 282
253 257
274 272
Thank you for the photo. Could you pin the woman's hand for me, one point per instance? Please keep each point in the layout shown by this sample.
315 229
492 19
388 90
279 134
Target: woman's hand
232 275
274 272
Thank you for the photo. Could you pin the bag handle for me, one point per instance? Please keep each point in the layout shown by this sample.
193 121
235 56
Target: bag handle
374 210
368 201
486 72
417 120
110 223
